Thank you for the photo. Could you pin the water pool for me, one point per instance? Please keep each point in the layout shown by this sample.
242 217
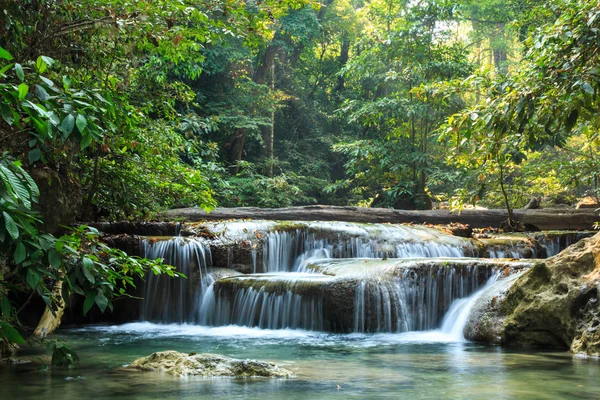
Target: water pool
414 365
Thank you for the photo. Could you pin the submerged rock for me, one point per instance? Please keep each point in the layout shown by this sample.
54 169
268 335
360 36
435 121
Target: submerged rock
553 305
207 365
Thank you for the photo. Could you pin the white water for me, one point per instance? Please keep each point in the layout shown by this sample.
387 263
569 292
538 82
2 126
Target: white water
456 318
413 301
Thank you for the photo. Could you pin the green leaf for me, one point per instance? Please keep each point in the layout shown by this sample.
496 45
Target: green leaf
10 333
67 125
15 186
41 65
66 82
23 90
47 81
4 54
11 226
89 302
5 68
81 123
19 71
7 114
101 301
20 253
5 306
34 156
33 279
54 259
87 263
86 141
41 93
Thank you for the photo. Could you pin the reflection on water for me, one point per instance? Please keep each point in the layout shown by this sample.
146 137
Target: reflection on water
417 365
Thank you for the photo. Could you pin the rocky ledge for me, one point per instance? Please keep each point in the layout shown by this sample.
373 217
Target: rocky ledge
553 305
207 366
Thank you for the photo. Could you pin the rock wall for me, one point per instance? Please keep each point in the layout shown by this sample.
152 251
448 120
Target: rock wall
553 305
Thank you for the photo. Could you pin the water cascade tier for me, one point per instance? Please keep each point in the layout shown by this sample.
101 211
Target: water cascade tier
352 295
331 276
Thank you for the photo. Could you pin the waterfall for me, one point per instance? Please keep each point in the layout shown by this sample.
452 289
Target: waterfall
370 277
415 301
275 303
458 314
175 299
290 249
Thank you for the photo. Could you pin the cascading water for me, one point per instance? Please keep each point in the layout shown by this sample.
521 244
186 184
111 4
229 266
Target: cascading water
290 250
277 303
175 300
285 290
415 301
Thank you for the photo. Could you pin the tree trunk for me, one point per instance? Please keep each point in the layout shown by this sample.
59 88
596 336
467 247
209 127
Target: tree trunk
545 219
236 150
344 53
269 132
51 320
499 51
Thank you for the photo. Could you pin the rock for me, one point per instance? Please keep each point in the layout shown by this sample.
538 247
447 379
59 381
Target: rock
534 204
207 365
553 305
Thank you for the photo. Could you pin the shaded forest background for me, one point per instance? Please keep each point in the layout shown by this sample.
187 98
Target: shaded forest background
130 107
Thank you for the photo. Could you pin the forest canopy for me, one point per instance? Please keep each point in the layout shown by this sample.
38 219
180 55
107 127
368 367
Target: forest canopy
142 106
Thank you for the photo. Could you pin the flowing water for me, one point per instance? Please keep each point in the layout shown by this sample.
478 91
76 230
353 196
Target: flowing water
423 365
353 310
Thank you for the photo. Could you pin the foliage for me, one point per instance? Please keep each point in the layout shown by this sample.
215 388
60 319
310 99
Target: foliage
553 95
249 187
37 261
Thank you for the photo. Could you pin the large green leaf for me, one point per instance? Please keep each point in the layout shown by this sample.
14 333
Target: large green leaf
10 333
89 302
5 306
54 258
19 71
101 301
20 253
11 226
33 279
34 156
23 90
15 186
81 123
67 125
4 54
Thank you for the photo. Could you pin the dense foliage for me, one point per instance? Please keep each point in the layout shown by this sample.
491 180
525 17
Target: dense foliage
120 109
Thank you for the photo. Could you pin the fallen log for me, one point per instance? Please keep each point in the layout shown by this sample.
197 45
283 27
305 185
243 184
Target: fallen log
544 219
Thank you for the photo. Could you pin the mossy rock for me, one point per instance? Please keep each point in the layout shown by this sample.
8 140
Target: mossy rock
207 366
553 305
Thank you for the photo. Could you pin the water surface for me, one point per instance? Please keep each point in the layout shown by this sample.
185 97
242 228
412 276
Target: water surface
414 365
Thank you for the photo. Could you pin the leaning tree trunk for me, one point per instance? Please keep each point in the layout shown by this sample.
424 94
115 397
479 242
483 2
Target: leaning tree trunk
51 318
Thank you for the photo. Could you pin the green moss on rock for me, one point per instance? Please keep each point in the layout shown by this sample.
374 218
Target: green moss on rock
207 366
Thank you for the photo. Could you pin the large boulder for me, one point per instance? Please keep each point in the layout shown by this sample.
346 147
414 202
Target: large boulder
553 305
207 365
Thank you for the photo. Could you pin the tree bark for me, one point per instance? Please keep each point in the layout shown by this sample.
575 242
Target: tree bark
51 320
545 219
236 150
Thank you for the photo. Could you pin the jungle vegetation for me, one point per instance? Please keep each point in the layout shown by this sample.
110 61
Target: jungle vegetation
119 109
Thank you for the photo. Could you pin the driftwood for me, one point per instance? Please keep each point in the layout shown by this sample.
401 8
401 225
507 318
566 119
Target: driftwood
544 219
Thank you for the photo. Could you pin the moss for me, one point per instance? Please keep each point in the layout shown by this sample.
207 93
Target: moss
207 365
